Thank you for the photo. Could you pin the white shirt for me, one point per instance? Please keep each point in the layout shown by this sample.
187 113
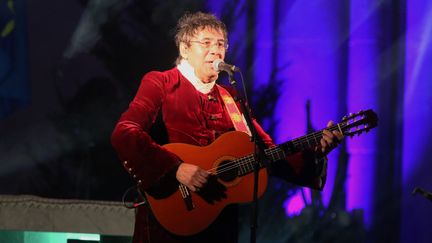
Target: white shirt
189 73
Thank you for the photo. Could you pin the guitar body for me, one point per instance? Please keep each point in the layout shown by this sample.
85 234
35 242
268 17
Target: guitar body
171 210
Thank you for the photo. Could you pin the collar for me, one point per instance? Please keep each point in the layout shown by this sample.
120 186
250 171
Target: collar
189 73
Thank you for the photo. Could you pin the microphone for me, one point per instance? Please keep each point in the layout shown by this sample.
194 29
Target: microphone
219 65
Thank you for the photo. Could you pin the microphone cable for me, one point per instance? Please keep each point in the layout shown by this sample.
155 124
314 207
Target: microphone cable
139 198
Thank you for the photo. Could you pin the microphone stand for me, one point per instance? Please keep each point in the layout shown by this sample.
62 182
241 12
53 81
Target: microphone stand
423 192
259 152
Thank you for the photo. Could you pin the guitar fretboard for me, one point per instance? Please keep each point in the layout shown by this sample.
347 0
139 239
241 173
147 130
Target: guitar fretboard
246 165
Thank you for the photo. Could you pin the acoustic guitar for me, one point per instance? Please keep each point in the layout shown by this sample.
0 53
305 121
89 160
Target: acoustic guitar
230 161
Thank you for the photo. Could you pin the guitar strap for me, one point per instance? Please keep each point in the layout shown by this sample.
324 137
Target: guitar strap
237 118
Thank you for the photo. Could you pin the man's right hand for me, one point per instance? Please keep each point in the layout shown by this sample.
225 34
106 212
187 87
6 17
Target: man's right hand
192 176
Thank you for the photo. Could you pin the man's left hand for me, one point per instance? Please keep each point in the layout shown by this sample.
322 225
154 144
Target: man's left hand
330 140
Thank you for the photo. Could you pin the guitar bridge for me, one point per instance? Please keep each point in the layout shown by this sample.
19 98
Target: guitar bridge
187 197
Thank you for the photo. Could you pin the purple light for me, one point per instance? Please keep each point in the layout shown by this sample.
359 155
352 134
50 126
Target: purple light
363 66
416 171
294 204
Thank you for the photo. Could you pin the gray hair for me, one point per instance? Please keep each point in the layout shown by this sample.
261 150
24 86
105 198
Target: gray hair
190 23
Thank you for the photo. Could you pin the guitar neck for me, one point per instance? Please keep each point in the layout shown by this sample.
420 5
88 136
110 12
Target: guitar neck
352 125
310 140
280 152
305 142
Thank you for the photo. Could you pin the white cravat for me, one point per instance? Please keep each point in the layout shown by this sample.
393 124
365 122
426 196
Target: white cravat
189 73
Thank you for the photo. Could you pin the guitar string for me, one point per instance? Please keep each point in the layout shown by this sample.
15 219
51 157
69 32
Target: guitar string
232 165
243 161
238 161
249 161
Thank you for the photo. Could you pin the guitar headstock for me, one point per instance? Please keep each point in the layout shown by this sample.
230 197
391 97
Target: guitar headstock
356 123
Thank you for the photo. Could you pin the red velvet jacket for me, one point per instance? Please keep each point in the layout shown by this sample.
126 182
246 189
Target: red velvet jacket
188 116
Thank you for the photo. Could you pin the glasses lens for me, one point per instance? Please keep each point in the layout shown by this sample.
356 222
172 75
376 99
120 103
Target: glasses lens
209 44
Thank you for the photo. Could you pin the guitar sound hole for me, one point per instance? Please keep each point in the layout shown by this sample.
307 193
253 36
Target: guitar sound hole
227 171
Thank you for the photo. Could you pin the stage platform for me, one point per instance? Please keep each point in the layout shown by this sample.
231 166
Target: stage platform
23 217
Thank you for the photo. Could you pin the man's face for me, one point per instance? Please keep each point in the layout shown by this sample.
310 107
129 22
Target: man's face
203 48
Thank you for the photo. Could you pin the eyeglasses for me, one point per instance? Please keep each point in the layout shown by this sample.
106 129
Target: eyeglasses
207 44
